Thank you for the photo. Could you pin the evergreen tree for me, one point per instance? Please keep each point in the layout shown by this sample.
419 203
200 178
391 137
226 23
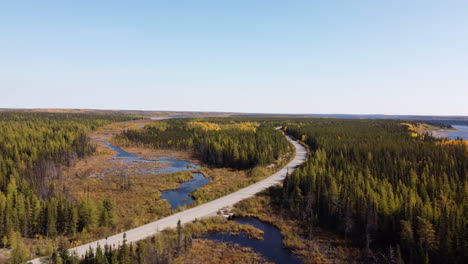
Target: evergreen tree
141 252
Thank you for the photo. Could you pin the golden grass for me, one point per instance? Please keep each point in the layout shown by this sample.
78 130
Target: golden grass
215 224
211 252
135 196
228 180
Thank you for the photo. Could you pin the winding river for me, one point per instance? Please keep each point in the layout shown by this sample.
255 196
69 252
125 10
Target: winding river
271 247
177 197
181 196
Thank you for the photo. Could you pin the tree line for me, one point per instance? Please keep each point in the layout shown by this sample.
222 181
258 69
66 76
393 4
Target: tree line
218 142
384 188
159 249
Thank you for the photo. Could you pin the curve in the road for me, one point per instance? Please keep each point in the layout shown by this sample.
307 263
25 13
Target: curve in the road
200 211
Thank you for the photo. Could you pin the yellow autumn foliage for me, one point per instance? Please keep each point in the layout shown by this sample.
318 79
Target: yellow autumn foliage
418 129
412 128
454 142
206 126
246 126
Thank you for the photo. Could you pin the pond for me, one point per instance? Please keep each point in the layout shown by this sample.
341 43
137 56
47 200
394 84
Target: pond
271 247
164 165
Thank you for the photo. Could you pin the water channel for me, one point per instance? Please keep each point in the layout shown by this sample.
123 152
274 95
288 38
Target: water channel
271 247
177 197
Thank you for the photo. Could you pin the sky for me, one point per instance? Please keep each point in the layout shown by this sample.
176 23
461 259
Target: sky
351 57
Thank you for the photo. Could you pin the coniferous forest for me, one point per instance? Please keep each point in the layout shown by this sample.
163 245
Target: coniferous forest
397 194
389 190
34 148
218 142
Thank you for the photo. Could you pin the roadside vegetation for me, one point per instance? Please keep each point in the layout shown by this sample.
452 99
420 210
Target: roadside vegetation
184 244
187 243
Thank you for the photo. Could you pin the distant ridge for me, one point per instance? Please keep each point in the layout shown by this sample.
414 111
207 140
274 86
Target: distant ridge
379 116
214 113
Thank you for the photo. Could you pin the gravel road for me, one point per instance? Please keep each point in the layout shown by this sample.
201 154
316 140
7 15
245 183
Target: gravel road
204 210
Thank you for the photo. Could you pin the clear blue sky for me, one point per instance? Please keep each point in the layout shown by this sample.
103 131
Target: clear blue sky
387 57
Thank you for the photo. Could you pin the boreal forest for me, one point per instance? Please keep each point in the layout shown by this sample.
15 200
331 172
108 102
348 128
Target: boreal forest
383 186
34 148
398 194
218 142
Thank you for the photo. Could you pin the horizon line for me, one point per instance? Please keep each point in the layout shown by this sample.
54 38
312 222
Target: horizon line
234 112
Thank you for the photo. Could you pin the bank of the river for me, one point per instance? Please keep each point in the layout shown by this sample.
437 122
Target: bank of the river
181 196
457 132
176 197
441 133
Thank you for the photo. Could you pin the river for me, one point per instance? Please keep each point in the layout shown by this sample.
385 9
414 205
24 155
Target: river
460 132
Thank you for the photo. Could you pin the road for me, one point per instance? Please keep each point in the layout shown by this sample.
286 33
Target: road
207 209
